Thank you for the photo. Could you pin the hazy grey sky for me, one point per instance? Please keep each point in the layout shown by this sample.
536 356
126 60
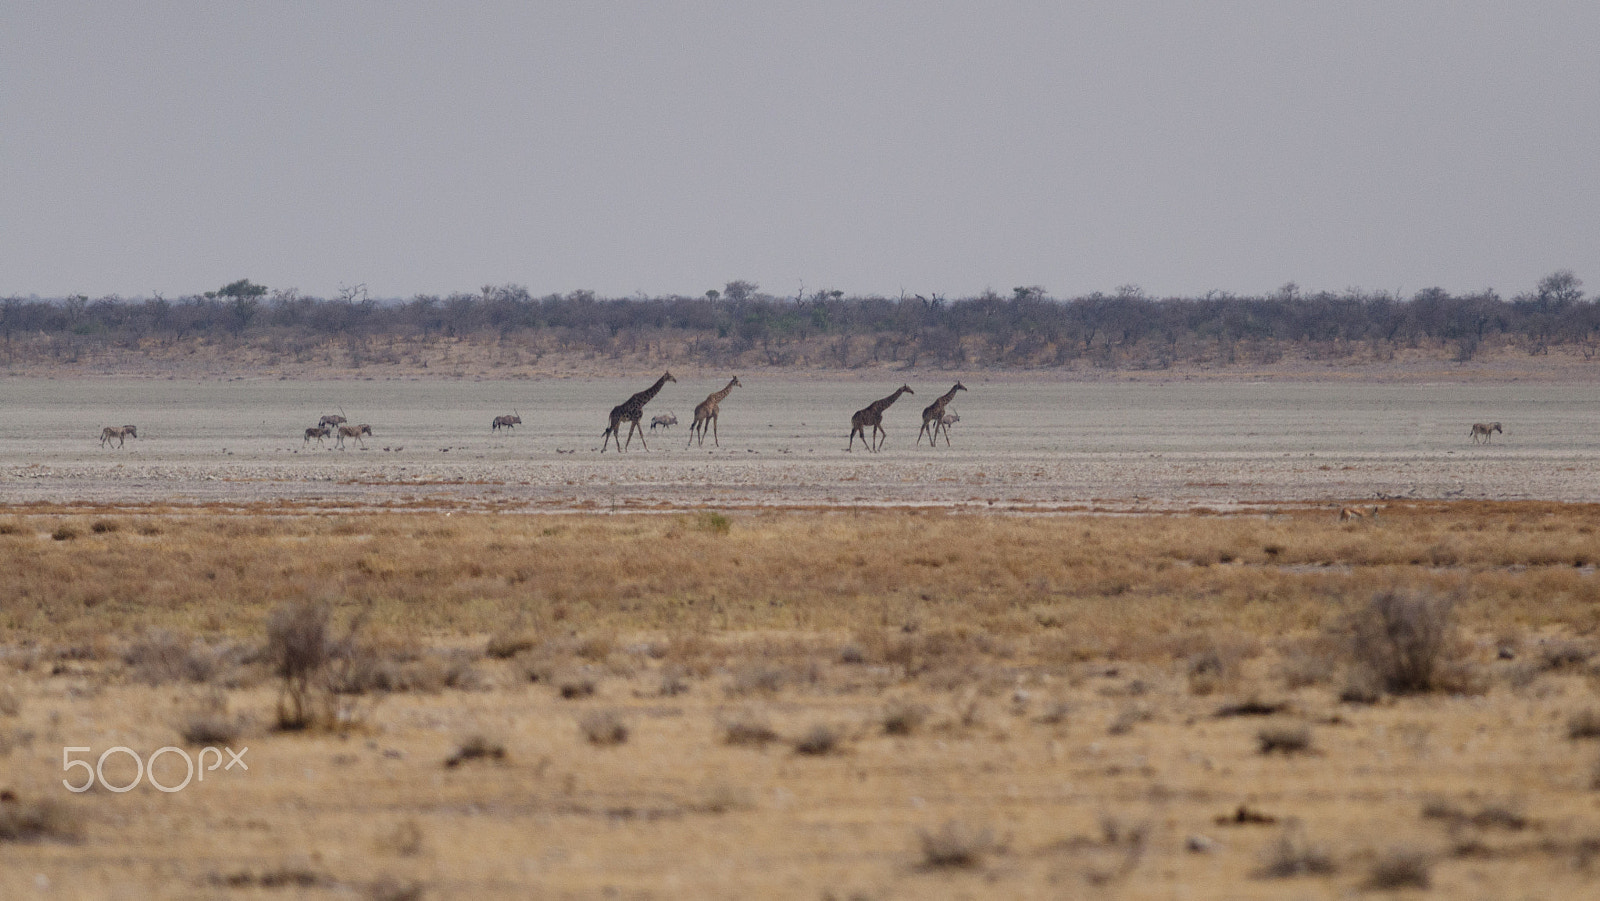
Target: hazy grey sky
872 147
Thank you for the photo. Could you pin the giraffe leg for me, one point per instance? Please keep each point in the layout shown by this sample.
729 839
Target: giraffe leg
641 436
946 434
715 440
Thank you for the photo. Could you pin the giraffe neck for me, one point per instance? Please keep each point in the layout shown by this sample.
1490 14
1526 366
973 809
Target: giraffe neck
948 397
720 395
882 405
645 396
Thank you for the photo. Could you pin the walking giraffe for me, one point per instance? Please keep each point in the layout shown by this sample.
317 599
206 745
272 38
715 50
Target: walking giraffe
872 416
632 410
707 412
933 416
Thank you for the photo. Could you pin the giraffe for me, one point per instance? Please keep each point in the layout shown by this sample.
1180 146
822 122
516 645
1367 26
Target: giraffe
632 410
707 412
873 416
933 417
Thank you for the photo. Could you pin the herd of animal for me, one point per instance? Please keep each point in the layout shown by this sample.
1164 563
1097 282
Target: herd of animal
936 418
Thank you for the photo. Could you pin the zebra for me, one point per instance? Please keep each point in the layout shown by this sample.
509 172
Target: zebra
331 421
1486 429
505 422
121 433
666 421
320 432
352 431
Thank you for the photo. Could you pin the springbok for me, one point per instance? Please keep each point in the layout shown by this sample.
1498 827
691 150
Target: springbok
505 422
1347 514
352 431
665 420
319 432
121 433
332 421
1486 429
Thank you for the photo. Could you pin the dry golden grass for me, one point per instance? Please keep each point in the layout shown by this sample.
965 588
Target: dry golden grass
795 705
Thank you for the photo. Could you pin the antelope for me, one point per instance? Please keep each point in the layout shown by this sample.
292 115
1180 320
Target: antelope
506 422
1486 429
945 422
1347 514
319 432
352 431
121 433
332 421
666 420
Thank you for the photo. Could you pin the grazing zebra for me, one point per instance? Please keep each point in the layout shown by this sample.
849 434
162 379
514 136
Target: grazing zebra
1486 429
121 433
352 431
505 422
332 421
320 432
665 420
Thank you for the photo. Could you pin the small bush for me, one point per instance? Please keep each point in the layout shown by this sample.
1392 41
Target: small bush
10 704
1285 739
955 845
818 741
476 747
64 533
1291 855
573 687
1407 642
1399 869
103 527
603 727
1585 724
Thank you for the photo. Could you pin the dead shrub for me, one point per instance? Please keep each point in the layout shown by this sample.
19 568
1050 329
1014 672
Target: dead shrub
603 727
818 741
210 724
1408 643
404 840
103 526
64 533
300 651
10 704
32 821
1564 655
1400 868
758 679
1285 739
573 686
954 845
476 747
1291 855
387 888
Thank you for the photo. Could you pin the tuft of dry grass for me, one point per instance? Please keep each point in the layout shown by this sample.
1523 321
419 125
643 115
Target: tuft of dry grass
44 819
1584 724
476 747
1284 738
903 717
1291 855
1400 868
603 727
818 741
503 645
748 729
954 845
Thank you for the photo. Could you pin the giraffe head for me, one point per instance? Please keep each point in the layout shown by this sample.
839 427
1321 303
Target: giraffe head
906 389
668 378
959 387
735 383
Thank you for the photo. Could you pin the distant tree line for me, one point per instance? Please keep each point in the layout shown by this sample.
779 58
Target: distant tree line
740 324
